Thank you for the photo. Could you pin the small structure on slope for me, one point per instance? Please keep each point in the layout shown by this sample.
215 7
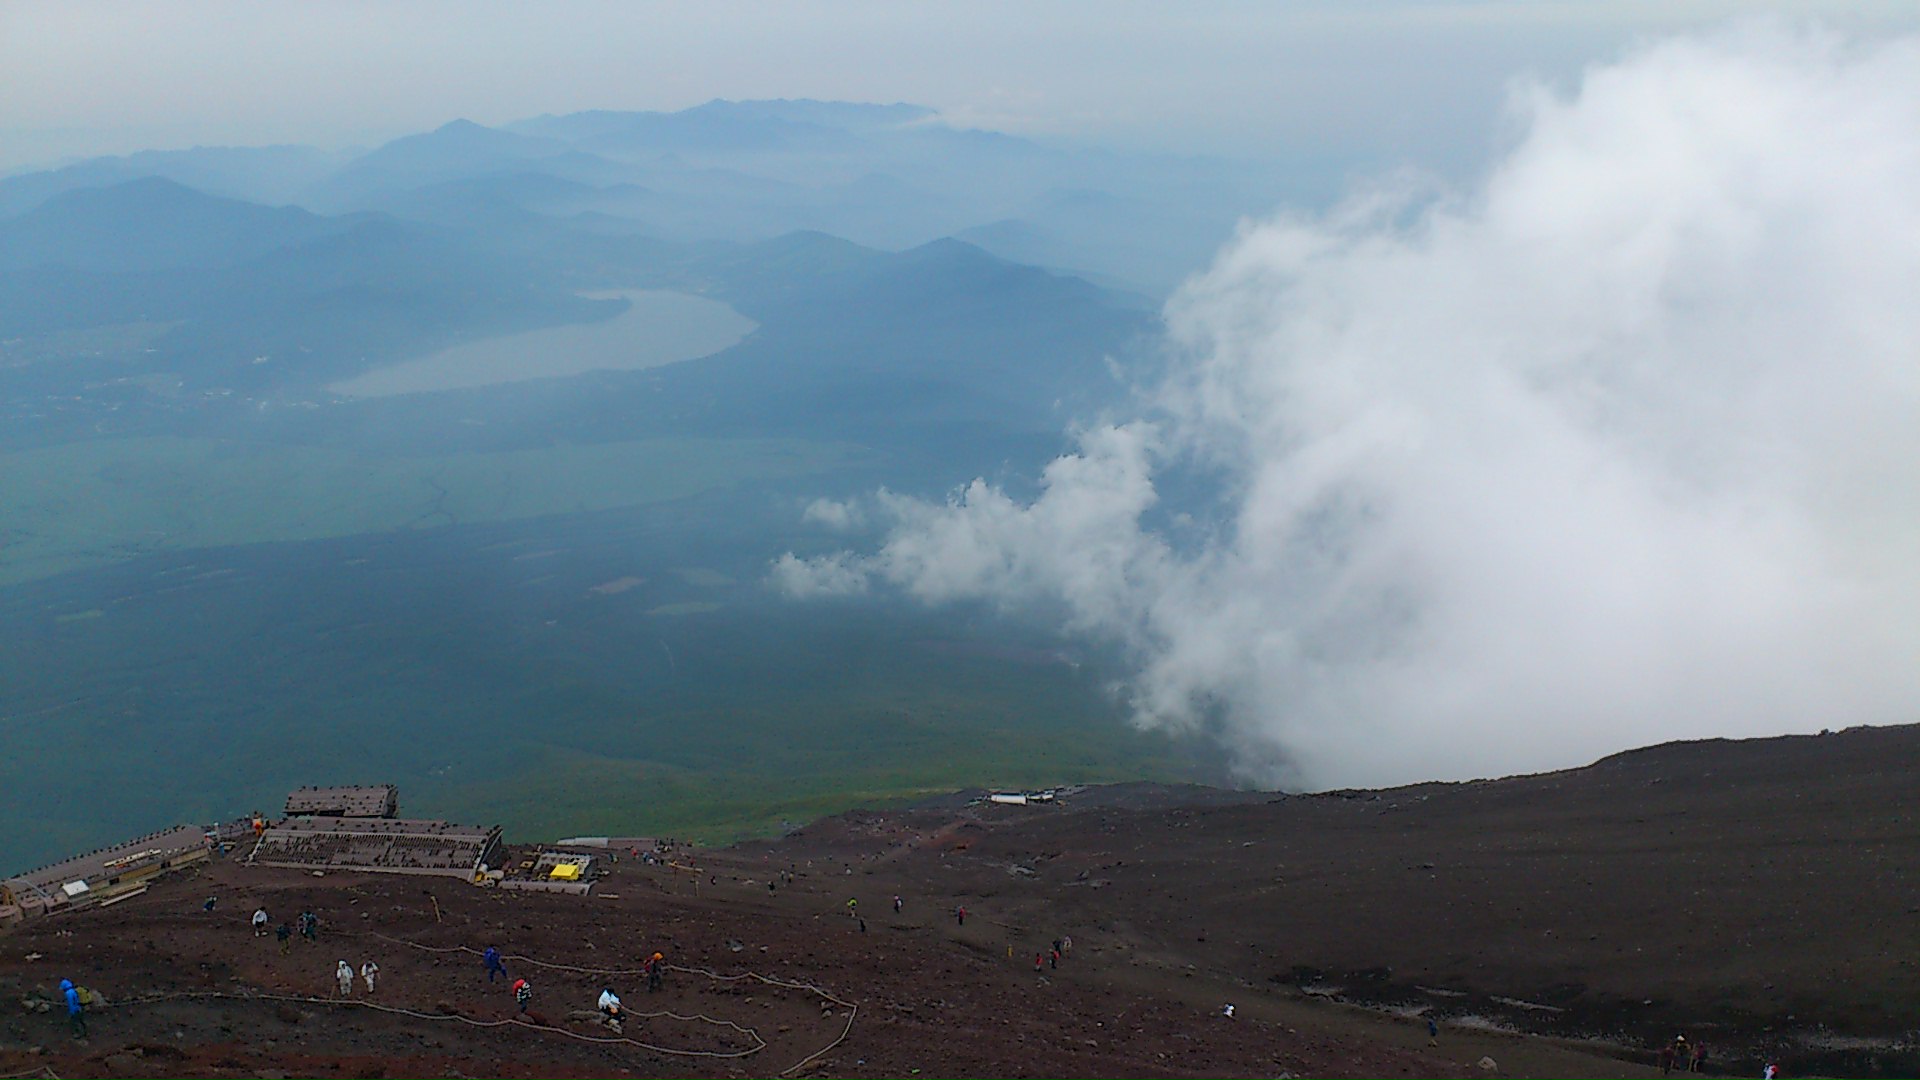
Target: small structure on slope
379 845
102 876
369 801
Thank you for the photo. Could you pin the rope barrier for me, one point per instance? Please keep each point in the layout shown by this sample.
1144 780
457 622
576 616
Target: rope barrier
759 1043
853 1010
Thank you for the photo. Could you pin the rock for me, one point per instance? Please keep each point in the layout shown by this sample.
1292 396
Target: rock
1487 1064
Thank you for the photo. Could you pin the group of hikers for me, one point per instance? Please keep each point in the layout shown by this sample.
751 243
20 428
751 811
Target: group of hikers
308 924
1682 1056
653 968
1061 947
344 975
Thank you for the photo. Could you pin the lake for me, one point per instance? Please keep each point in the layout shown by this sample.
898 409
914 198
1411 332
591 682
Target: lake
658 328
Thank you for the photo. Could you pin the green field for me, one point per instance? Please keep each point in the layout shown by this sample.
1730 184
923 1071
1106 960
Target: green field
569 639
88 504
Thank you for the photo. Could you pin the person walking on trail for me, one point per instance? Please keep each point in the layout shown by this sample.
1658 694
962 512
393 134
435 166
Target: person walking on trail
653 965
896 903
1039 963
344 973
259 922
960 915
610 1005
494 966
523 993
310 926
208 906
285 934
1053 959
1677 1055
853 907
1771 1071
1433 1032
76 1012
369 971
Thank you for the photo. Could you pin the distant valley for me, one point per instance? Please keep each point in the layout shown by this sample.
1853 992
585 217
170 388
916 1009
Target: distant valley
322 464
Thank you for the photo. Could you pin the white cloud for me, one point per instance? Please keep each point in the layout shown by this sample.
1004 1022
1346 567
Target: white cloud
835 515
1621 446
809 579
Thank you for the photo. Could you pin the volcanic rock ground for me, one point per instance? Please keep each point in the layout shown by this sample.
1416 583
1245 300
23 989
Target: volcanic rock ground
1755 895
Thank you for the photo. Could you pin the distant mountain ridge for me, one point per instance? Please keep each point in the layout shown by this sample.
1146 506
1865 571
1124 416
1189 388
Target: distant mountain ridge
151 224
889 176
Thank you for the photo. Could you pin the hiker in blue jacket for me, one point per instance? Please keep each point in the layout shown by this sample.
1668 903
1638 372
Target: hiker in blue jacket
76 1014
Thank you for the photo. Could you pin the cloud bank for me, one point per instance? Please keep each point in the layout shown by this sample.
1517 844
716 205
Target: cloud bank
1621 446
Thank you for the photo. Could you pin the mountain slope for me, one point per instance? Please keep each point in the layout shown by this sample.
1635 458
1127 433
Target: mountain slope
151 224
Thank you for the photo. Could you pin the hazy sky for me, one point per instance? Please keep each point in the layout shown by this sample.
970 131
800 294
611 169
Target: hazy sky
1380 80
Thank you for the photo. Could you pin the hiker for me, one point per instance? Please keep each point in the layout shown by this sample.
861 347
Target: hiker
492 957
1038 962
1433 1032
1771 1071
285 934
896 903
76 1013
960 915
853 908
310 926
1066 944
522 993
1053 959
369 971
259 922
1227 1010
1698 1062
208 906
344 973
653 966
610 1005
1682 1053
